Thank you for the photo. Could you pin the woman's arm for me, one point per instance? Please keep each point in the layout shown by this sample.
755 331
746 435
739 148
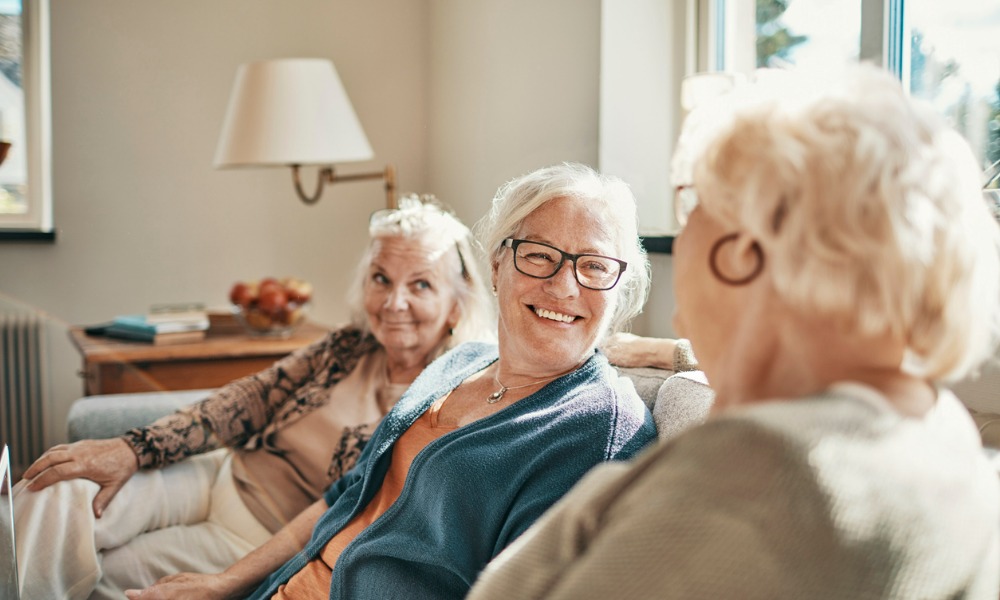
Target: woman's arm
233 414
629 350
240 579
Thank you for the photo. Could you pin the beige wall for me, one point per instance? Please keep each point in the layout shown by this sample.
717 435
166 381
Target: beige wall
139 91
460 95
513 86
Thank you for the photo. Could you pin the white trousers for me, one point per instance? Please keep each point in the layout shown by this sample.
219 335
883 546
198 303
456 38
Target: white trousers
185 517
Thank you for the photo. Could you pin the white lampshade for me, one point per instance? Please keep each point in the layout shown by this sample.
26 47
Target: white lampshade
290 112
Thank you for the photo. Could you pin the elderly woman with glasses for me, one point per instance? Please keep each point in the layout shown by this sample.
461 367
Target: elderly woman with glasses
488 436
90 523
839 267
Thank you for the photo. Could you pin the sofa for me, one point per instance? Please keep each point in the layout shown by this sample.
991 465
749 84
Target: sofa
677 401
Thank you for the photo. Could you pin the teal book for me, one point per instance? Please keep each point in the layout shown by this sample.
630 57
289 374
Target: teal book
176 337
139 324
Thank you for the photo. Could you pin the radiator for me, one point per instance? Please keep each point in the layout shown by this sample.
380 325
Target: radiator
22 373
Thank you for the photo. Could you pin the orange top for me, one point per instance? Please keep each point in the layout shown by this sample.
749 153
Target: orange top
313 581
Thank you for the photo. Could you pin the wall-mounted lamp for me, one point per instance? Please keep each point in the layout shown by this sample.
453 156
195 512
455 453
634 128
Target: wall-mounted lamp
292 113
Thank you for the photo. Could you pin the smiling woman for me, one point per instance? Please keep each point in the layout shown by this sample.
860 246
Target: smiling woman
488 436
288 431
839 268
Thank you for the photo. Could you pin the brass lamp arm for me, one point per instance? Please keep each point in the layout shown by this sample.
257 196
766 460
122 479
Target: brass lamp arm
327 175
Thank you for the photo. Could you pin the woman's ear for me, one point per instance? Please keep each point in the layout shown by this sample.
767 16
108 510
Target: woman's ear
454 316
747 254
736 259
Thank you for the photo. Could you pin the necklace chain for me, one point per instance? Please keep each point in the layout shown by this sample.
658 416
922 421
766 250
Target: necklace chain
498 395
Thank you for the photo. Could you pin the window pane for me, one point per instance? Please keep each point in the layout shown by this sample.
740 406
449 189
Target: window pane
815 34
955 64
13 169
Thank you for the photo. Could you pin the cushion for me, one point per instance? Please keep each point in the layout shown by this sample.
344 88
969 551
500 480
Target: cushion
110 415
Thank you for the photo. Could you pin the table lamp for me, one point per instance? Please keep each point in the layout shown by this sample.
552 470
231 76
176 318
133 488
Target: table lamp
294 112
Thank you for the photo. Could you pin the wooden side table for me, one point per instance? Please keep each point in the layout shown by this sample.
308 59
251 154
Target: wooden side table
113 366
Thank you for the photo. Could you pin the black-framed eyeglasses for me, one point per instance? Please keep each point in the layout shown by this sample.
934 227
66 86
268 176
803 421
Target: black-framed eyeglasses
685 201
541 261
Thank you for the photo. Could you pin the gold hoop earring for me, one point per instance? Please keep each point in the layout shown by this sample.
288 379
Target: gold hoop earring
712 261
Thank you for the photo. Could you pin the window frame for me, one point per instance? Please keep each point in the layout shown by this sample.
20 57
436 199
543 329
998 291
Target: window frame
728 25
37 224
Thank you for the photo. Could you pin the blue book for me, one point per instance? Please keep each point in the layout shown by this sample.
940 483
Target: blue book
139 324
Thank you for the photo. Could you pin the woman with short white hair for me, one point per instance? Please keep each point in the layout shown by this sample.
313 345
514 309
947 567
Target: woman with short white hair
838 267
489 435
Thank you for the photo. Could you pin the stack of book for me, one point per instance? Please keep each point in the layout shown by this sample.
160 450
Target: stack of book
163 324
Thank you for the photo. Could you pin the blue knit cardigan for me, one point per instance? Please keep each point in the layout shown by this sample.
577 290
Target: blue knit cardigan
471 492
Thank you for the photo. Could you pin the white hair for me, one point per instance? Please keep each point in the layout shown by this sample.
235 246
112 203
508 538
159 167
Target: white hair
867 205
426 219
520 197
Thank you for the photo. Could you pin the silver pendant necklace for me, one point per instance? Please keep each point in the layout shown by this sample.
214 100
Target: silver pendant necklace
498 395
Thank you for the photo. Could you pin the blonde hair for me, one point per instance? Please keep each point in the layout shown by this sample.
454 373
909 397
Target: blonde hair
868 208
520 197
426 219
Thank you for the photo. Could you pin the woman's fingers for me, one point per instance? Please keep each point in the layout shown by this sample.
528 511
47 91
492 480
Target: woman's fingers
52 456
54 474
106 462
181 585
104 496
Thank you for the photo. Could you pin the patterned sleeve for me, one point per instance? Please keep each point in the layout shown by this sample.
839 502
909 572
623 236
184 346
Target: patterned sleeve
237 413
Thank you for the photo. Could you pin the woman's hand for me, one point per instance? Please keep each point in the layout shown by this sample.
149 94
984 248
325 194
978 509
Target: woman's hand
109 463
190 585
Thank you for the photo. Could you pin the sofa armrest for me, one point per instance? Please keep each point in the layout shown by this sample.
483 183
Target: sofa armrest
110 415
677 400
683 401
646 380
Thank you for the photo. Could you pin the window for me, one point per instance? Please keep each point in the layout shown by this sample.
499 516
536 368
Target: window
947 53
955 65
25 173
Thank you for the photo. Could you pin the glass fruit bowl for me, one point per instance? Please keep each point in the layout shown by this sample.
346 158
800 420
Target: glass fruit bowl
271 307
280 324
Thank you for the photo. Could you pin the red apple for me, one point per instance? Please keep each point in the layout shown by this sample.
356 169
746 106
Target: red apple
272 300
241 294
269 283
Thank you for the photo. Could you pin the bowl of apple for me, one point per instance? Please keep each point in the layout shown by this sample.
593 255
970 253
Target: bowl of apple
270 306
